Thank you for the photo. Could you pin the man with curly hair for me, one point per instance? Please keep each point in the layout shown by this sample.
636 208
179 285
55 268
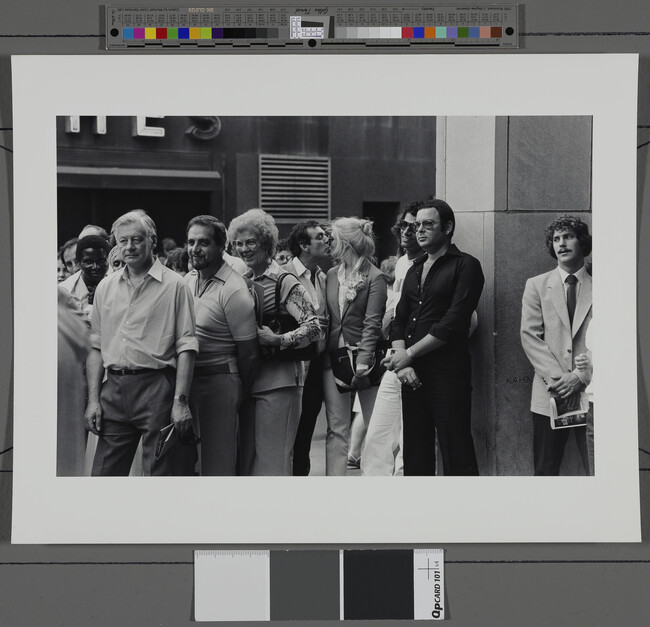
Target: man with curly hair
556 312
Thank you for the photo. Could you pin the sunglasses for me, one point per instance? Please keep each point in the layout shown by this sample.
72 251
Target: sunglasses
426 224
405 226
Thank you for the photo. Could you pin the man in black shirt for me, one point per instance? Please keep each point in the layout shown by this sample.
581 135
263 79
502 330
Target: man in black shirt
430 336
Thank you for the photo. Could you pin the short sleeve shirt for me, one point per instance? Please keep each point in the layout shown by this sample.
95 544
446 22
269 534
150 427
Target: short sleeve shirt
225 315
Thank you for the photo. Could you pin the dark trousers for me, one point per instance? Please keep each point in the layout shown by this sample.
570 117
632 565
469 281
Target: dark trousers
134 407
549 444
312 402
442 405
214 402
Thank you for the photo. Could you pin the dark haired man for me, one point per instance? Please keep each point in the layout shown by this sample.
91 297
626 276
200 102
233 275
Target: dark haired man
555 316
91 255
309 245
227 333
431 347
382 454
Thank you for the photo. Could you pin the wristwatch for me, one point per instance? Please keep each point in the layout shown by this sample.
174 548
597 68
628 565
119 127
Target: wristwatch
181 398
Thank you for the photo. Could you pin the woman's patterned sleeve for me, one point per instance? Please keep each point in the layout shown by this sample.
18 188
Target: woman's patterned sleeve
299 306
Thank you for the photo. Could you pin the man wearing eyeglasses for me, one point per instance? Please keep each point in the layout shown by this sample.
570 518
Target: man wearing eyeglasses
382 449
430 337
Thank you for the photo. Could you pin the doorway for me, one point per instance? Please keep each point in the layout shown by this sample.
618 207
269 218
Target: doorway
384 214
171 210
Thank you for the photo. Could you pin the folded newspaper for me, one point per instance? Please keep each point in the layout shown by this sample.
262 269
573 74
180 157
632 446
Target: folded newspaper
570 411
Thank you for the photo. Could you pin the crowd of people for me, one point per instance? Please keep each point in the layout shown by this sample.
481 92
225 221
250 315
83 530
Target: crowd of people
217 357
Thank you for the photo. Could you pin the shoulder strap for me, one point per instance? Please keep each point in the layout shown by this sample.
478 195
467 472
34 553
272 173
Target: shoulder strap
258 299
278 285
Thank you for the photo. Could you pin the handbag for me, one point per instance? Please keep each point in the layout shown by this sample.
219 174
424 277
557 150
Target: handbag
344 365
283 323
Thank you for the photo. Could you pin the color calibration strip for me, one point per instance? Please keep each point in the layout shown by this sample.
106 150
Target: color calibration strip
319 585
327 26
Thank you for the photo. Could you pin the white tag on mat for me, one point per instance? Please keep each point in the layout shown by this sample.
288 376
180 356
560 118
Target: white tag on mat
429 584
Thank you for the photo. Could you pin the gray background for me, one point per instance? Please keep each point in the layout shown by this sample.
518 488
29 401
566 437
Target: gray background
486 584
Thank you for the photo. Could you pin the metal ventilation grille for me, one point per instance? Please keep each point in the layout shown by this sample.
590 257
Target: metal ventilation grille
293 189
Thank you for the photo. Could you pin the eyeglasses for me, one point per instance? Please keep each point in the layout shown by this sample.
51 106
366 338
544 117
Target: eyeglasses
251 244
426 224
405 226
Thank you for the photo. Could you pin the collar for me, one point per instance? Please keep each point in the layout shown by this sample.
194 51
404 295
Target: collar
452 250
223 272
156 271
272 272
75 278
578 274
220 275
300 267
422 255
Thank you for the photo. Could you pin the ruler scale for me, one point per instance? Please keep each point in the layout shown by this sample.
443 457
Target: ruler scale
326 27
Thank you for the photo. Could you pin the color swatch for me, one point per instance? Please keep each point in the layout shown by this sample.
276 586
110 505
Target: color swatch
319 585
340 32
378 585
203 33
341 27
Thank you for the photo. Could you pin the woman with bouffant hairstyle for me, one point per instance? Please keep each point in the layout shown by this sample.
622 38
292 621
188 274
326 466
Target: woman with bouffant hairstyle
269 417
356 300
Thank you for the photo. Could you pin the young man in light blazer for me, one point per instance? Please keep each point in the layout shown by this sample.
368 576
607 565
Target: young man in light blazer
555 315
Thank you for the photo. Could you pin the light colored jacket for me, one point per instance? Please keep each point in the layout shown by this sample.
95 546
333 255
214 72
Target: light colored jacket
549 341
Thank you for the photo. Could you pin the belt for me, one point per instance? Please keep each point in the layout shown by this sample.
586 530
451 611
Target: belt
205 371
123 371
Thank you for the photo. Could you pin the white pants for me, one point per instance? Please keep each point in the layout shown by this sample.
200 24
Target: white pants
357 432
338 411
384 431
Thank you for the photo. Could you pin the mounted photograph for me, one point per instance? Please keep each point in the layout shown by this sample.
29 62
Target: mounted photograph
306 306
334 201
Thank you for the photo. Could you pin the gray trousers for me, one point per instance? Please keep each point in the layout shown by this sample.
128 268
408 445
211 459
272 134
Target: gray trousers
134 407
269 423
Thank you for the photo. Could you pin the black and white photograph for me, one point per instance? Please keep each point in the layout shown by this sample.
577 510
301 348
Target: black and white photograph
350 301
344 206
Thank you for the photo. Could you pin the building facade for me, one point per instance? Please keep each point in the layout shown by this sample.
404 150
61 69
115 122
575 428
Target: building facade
294 167
505 178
